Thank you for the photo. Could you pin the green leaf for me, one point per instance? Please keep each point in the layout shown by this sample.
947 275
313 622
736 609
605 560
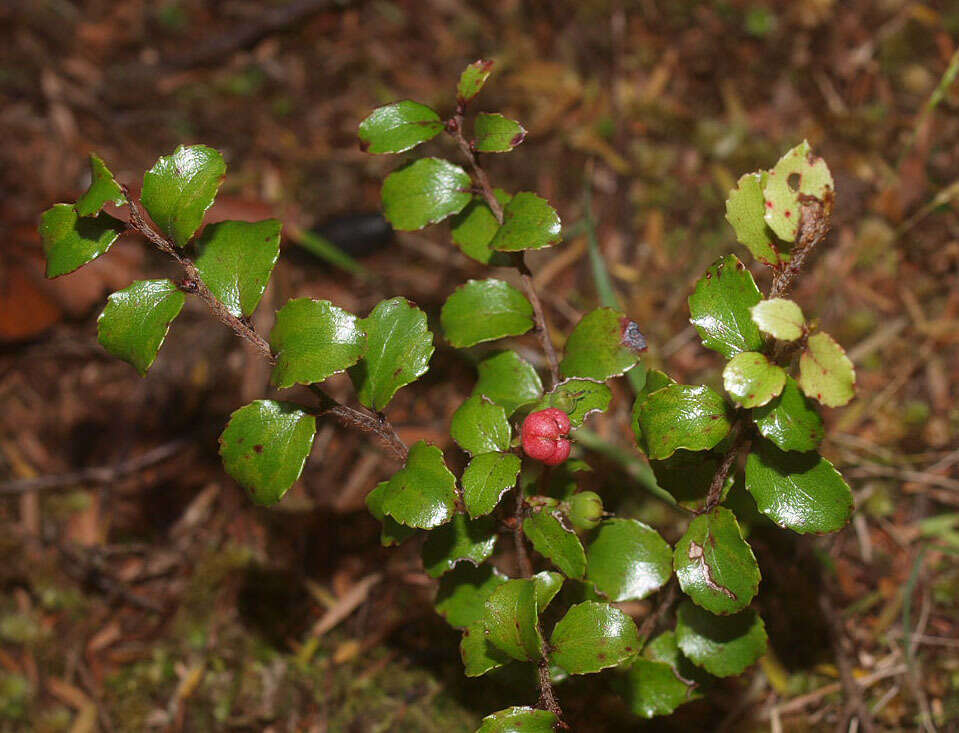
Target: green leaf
519 720
235 259
103 189
422 494
474 228
425 192
462 594
399 345
781 318
478 654
396 127
480 426
511 620
264 447
471 540
392 532
496 134
529 222
655 380
825 372
548 584
578 398
487 477
591 637
752 380
604 344
745 211
799 491
810 176
179 188
70 241
509 380
485 310
720 308
626 560
661 680
557 544
312 340
136 320
714 564
472 80
682 416
791 421
722 645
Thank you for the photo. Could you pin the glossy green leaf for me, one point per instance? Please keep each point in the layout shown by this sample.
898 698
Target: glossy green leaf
461 598
474 228
655 380
472 80
557 544
714 564
683 416
422 494
509 380
479 655
480 426
780 318
487 477
425 192
825 372
752 380
604 344
591 637
797 173
485 310
392 532
265 446
470 540
626 560
722 645
720 308
687 475
179 188
799 491
745 211
312 340
103 189
511 620
519 720
496 134
791 421
662 679
548 584
70 241
136 320
396 127
399 345
529 222
235 260
578 398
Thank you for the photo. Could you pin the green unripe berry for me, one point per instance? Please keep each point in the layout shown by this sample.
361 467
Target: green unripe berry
585 509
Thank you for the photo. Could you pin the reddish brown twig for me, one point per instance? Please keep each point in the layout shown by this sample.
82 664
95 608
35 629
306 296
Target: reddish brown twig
358 419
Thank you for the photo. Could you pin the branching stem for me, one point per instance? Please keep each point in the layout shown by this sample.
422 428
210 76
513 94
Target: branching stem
358 419
454 127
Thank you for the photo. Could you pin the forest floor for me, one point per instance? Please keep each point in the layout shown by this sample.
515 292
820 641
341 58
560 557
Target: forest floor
153 595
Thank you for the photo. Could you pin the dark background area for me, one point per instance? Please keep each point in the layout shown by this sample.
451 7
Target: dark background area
160 598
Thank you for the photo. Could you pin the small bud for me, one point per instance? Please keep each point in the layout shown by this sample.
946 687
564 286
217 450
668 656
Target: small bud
544 436
585 509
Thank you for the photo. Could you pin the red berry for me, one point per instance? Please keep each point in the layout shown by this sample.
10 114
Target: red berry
544 436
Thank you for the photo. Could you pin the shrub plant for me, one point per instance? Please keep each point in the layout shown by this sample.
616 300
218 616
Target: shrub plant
519 489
